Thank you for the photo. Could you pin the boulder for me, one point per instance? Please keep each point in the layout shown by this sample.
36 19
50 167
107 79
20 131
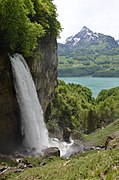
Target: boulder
112 141
66 135
52 151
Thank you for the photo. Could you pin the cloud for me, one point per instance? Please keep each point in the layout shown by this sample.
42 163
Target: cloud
98 15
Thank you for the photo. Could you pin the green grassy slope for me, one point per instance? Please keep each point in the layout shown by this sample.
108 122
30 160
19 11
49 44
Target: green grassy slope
93 165
99 137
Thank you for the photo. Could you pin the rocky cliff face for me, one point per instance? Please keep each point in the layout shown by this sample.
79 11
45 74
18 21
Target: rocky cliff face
9 110
44 70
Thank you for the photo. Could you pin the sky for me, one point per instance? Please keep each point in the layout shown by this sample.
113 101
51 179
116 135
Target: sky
101 16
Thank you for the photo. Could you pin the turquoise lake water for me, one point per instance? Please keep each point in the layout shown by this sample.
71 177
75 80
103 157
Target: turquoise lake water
95 84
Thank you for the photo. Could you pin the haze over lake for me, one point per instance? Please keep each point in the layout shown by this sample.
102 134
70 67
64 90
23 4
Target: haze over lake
95 84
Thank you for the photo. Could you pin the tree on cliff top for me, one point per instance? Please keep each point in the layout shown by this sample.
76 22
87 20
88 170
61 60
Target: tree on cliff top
22 22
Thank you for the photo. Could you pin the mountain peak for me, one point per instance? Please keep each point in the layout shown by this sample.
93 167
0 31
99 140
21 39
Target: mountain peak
84 28
86 37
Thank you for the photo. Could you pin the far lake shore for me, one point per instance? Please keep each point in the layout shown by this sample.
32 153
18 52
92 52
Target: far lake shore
96 84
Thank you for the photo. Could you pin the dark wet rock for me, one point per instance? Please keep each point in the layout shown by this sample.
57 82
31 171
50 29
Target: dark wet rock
52 151
3 169
66 135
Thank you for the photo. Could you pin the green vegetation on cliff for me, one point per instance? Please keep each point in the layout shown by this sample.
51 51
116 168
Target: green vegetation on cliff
73 106
22 22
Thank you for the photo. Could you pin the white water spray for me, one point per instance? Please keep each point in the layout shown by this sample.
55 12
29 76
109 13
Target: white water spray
33 126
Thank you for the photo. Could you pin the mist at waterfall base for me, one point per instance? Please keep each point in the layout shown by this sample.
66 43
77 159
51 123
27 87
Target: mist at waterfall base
33 128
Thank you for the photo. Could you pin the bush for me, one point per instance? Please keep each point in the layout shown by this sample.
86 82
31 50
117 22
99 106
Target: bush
21 24
69 104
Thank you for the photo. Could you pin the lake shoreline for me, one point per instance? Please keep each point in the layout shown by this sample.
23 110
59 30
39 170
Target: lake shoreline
96 84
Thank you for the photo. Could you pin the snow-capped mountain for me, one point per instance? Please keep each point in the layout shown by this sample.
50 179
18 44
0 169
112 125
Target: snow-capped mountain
84 35
85 38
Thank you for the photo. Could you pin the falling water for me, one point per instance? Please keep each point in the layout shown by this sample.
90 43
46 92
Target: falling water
33 127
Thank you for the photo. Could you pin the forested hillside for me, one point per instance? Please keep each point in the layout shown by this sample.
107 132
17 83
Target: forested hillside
74 107
89 54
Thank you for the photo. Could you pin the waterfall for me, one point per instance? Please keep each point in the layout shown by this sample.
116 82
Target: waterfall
35 134
33 129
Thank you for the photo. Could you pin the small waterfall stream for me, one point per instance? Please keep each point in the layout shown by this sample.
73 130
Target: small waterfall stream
33 126
33 129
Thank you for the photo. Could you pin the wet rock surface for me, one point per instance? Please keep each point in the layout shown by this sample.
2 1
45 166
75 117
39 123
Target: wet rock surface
9 109
52 151
67 134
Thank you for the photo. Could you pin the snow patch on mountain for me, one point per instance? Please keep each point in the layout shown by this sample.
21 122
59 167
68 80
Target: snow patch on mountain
69 39
76 40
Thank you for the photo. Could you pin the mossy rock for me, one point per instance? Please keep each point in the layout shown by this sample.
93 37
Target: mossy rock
112 141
